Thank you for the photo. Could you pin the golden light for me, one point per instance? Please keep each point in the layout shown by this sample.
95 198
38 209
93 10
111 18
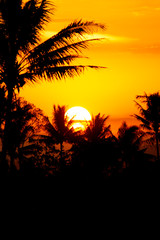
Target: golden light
80 117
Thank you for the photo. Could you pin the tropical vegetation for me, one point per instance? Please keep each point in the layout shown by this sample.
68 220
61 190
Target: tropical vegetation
33 144
25 58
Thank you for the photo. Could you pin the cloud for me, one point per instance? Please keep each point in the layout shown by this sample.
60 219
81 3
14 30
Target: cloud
148 48
62 20
120 39
110 38
145 10
104 37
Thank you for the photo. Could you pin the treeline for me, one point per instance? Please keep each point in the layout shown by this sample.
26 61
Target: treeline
31 145
38 146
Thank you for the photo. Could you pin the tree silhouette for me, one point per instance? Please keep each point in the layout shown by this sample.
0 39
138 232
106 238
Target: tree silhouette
60 130
90 152
150 117
129 140
97 129
25 124
23 58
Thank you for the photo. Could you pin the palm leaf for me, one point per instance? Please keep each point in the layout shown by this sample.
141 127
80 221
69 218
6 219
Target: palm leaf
34 16
69 35
60 72
58 52
145 122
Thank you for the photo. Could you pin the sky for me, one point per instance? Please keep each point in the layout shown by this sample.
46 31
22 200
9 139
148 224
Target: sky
130 52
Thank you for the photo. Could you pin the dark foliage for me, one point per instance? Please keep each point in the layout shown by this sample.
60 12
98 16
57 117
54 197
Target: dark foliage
24 58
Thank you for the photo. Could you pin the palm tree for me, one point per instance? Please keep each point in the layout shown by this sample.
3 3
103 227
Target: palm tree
129 139
150 116
90 152
97 129
23 58
60 130
25 125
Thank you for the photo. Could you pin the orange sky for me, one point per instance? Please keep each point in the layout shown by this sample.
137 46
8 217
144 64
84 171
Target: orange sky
131 53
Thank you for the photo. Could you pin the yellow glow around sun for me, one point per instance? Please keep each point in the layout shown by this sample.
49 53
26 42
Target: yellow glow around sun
78 126
80 117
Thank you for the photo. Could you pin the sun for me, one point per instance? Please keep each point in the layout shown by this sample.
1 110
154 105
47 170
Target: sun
80 117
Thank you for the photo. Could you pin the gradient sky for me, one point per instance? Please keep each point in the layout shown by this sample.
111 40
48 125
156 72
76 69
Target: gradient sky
131 53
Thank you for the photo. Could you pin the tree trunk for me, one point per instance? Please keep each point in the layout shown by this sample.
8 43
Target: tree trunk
5 144
61 156
10 83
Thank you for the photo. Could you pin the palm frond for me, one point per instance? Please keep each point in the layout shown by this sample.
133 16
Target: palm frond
71 34
79 27
34 15
52 61
142 97
58 73
55 63
52 58
144 121
41 52
97 130
141 109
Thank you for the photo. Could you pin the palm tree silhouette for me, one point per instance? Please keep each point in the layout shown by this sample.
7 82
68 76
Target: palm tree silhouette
60 130
90 150
23 58
150 117
97 129
25 125
129 140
